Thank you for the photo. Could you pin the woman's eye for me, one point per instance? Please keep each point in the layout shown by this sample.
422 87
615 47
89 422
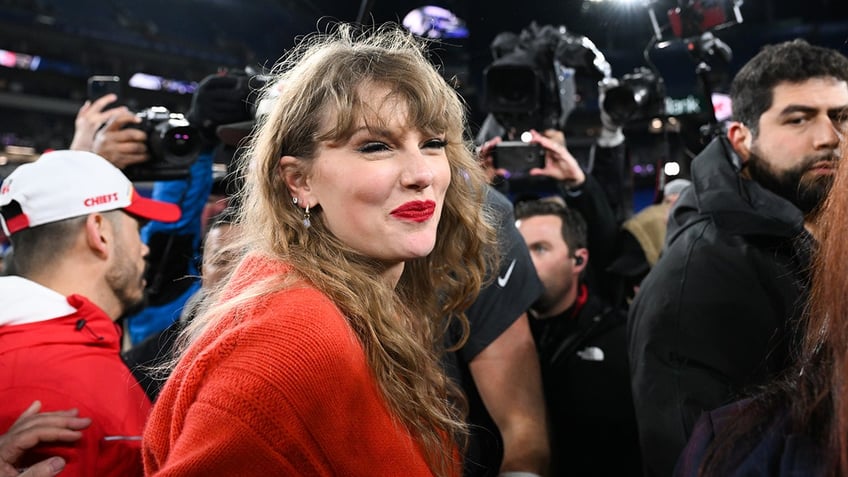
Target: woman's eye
435 144
373 147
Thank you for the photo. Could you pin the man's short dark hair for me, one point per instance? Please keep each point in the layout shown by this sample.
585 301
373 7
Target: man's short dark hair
752 89
573 225
38 248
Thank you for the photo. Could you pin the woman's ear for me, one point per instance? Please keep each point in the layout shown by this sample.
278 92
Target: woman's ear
292 170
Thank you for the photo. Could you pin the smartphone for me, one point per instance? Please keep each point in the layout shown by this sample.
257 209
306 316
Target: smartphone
101 85
518 157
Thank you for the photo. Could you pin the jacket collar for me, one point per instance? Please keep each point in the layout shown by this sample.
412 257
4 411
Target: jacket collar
738 205
53 320
25 301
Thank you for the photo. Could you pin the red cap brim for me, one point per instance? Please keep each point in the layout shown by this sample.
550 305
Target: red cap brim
153 209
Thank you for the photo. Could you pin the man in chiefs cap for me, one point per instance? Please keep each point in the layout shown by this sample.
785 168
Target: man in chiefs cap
73 220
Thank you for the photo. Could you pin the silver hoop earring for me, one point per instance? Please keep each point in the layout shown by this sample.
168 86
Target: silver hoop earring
294 200
306 222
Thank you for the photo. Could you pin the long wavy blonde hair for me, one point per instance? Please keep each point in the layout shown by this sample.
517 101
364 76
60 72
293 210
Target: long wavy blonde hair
401 328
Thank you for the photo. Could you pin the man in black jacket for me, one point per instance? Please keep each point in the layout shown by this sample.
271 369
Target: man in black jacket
715 317
582 349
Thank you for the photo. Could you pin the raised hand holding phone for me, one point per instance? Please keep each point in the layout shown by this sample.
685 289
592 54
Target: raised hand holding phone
101 107
102 85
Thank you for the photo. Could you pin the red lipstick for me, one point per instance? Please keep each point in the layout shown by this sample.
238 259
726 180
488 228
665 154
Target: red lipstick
415 211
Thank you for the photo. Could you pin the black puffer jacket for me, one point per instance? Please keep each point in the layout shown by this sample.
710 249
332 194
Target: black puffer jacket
716 316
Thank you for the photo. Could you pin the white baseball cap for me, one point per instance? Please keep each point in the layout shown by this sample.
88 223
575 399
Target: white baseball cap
65 184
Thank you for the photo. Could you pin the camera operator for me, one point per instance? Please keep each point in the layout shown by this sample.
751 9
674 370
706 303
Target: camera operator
174 248
536 81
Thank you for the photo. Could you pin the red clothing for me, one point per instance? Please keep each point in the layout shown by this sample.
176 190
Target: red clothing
68 362
283 388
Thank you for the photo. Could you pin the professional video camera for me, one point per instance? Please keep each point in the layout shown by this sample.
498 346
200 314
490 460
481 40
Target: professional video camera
639 95
172 142
531 82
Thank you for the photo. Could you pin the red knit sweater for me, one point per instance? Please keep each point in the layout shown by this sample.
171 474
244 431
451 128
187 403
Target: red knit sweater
285 390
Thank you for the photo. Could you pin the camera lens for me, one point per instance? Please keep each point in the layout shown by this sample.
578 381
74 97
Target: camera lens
180 141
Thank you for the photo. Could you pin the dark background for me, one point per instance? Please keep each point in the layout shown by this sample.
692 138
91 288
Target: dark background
189 39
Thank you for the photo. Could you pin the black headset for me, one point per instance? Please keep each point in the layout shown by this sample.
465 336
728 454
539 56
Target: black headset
578 260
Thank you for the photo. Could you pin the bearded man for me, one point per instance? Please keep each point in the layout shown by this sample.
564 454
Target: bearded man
718 313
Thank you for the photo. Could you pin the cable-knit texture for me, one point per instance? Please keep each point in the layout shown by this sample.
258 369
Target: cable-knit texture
281 387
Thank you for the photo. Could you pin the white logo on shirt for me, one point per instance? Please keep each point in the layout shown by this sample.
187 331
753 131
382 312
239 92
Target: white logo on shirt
502 281
591 353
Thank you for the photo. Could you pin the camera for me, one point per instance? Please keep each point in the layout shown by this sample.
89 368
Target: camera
639 95
518 157
172 142
532 82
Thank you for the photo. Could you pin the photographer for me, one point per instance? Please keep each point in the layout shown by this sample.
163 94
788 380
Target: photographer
580 191
536 80
125 141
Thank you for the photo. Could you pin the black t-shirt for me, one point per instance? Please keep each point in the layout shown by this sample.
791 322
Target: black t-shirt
497 307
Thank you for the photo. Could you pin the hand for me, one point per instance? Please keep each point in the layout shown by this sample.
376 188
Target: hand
485 155
90 118
559 163
45 468
32 428
611 130
120 145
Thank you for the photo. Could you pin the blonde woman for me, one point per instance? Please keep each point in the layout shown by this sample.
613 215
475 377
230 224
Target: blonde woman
363 220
